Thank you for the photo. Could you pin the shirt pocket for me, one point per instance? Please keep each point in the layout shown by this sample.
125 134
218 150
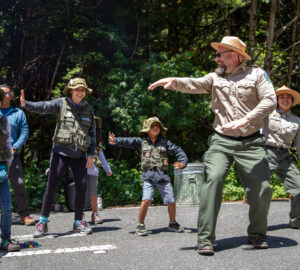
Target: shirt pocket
246 89
290 131
275 125
222 90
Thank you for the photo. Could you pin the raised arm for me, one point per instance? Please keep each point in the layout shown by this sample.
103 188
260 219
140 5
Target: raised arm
130 142
41 107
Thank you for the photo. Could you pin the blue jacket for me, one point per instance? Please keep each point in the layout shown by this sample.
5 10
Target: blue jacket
19 129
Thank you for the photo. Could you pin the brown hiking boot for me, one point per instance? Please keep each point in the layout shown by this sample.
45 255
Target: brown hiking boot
205 248
258 242
28 221
96 219
294 226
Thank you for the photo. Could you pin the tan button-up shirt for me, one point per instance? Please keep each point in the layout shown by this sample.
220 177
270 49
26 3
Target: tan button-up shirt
246 92
281 129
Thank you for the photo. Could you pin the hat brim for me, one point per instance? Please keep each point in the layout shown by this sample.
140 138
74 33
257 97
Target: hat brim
163 129
67 88
293 93
216 46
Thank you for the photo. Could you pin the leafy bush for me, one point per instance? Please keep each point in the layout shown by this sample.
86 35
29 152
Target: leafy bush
278 188
233 189
124 186
35 183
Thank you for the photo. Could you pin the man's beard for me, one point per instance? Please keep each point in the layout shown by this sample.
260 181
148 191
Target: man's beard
221 71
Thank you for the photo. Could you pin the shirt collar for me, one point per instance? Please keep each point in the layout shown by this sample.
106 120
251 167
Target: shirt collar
283 112
239 69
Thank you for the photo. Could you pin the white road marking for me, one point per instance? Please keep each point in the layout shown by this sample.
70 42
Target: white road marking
95 249
47 236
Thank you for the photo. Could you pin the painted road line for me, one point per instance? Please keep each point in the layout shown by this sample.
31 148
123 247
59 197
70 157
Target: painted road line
96 250
47 236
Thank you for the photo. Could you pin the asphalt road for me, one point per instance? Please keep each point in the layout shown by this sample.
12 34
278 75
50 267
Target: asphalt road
114 245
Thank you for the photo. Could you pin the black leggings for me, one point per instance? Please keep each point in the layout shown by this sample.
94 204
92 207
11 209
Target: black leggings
58 166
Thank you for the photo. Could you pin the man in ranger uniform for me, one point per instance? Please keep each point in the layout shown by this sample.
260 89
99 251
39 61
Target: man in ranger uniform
241 98
154 162
74 144
19 134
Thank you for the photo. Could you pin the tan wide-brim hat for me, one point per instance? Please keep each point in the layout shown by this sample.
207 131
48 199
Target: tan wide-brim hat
77 83
285 90
147 126
1 95
234 44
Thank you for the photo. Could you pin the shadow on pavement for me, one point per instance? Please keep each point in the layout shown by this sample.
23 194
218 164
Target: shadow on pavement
106 220
101 228
235 242
165 229
278 227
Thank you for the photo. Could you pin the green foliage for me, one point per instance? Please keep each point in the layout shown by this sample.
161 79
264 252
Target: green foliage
120 49
233 189
278 188
35 182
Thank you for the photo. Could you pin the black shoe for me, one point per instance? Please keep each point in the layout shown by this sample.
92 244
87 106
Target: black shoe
258 242
175 227
141 230
294 226
205 248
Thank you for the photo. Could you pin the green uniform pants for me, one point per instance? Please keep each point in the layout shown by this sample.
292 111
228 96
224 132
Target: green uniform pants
253 169
281 163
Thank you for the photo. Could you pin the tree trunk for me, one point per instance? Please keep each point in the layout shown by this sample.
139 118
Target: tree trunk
252 26
173 42
269 53
291 63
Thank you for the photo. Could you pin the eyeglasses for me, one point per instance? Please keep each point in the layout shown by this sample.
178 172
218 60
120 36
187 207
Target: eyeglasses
219 54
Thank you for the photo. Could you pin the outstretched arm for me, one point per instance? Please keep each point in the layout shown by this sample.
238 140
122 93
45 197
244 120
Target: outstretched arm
166 83
41 107
130 142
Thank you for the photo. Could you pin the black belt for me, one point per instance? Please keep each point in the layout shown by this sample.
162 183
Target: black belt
253 135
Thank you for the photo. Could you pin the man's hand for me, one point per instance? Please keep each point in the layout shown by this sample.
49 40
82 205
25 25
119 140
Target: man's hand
22 98
111 138
89 162
178 165
236 124
109 174
167 83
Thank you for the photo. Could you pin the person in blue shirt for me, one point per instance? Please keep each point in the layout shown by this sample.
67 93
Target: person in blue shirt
19 134
5 201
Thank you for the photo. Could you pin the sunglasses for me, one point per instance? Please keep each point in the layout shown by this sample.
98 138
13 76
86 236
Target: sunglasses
219 54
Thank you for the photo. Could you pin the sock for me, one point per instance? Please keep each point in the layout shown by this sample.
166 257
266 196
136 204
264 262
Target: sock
77 221
43 219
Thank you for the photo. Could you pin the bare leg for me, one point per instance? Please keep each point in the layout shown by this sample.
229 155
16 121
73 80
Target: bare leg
93 202
172 211
143 210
